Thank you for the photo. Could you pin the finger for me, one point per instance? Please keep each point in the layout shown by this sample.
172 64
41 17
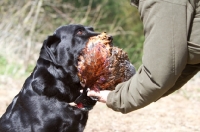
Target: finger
93 93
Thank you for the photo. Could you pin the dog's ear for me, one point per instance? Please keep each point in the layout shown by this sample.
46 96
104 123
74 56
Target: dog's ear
48 50
64 51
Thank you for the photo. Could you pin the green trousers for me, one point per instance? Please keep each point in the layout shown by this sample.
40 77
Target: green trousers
171 53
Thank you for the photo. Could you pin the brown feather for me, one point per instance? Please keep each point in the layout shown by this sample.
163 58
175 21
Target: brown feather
102 66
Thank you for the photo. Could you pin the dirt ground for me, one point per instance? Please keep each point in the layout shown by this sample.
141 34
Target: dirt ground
179 112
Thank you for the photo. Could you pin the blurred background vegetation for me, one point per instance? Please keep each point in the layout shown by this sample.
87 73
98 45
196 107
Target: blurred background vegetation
25 24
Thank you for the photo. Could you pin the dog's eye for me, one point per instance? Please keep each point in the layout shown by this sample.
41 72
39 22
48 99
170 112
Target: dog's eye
79 32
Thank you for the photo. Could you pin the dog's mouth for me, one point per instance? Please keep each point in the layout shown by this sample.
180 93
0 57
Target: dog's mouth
84 102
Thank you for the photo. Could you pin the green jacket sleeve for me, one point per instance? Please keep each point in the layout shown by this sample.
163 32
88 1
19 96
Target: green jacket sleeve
166 26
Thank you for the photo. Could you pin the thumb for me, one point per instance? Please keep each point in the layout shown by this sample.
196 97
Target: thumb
101 95
93 93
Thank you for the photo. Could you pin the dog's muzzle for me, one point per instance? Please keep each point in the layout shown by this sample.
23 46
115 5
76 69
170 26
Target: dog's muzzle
85 102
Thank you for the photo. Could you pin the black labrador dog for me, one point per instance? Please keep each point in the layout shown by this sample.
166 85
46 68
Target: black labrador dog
42 105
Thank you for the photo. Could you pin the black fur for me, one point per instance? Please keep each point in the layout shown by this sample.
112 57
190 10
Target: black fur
42 104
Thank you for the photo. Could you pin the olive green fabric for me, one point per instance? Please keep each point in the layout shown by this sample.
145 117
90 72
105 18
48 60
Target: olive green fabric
171 53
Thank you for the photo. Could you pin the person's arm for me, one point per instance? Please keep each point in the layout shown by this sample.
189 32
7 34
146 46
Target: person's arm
165 56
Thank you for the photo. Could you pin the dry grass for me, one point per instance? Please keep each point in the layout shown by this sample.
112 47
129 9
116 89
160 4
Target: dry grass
18 31
25 24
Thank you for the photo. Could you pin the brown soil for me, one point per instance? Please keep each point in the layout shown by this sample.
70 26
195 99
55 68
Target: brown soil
179 112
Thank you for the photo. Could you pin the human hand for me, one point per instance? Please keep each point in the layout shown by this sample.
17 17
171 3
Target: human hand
100 95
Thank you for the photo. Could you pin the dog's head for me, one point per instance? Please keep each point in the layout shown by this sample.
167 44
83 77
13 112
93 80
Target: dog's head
56 71
65 45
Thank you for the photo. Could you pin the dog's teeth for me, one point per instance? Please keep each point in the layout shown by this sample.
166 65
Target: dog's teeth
72 104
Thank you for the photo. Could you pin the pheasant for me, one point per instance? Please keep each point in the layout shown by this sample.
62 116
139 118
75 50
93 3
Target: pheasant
101 66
